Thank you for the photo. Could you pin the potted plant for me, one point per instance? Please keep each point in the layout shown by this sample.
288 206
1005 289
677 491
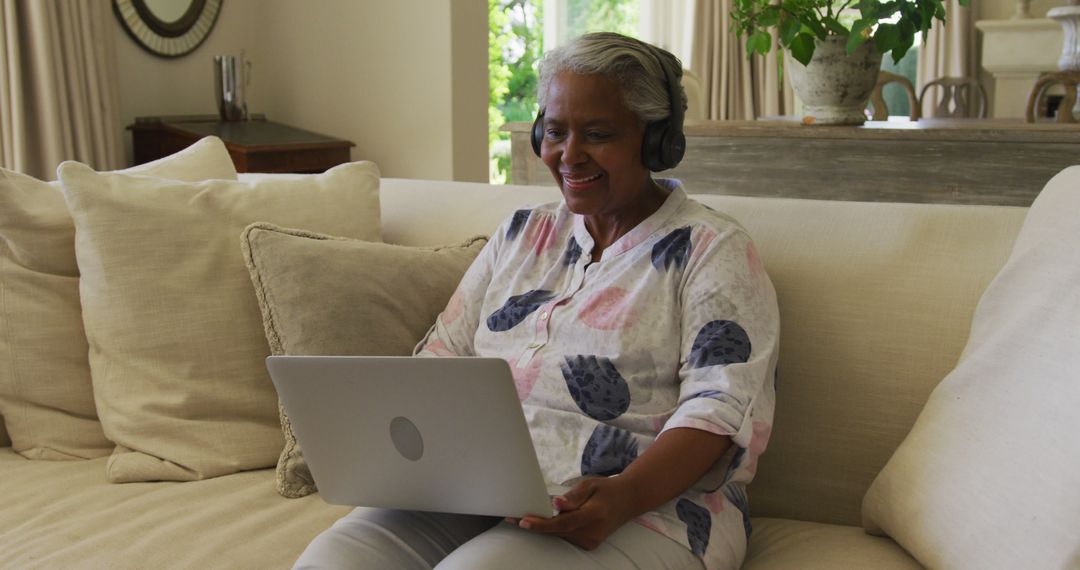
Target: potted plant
833 48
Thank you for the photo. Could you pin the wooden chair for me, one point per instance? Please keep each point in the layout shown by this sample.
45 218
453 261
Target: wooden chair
1067 79
960 97
881 109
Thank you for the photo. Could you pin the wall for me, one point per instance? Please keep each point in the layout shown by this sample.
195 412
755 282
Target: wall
1004 9
405 80
151 85
469 80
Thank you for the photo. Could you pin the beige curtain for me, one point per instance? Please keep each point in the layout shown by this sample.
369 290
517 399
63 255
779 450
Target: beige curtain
58 98
735 88
949 50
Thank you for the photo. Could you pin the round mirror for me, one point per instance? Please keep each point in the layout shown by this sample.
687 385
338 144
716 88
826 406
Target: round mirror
168 28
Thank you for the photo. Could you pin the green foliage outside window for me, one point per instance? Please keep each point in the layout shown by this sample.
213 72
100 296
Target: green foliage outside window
586 16
515 46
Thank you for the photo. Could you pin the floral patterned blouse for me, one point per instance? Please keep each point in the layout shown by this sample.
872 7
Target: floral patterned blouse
675 327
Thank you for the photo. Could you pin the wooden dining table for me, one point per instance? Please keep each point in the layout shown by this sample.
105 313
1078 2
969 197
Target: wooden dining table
959 161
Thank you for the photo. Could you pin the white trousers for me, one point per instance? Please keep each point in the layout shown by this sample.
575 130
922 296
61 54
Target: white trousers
378 538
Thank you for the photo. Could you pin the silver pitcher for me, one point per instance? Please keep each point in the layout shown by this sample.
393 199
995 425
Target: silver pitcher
231 75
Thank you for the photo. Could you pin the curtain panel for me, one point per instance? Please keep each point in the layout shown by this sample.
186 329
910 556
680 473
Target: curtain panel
734 87
949 50
58 86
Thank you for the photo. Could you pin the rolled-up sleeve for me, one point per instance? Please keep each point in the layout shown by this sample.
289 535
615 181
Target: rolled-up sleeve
729 337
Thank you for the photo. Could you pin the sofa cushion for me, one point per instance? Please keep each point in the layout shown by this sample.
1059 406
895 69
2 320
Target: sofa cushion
46 399
176 342
875 303
322 295
988 476
782 544
436 212
67 515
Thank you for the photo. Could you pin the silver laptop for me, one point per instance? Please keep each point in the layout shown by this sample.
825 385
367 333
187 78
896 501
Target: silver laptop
429 434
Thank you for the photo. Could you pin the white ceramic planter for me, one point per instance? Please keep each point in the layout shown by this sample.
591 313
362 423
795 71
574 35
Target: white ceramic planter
835 86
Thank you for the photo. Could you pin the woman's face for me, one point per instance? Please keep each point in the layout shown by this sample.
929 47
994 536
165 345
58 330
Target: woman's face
592 145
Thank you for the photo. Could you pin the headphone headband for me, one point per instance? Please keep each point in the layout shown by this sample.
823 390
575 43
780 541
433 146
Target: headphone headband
674 100
663 143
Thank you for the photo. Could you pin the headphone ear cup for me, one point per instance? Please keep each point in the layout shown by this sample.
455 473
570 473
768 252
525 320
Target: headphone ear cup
662 147
652 146
537 135
674 148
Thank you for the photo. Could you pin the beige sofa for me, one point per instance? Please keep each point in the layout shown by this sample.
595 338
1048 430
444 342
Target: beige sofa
876 302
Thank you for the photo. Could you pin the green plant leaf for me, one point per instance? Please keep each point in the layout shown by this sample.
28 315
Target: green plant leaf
769 17
760 42
907 31
927 9
886 37
870 9
904 43
802 48
858 34
835 26
816 27
789 28
892 24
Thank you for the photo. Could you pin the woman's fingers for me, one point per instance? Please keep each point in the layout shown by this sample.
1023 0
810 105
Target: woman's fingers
559 524
576 496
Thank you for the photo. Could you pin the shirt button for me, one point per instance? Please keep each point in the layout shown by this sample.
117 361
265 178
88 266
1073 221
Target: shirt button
543 316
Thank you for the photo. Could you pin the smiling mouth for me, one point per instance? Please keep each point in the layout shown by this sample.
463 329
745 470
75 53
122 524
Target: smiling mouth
581 180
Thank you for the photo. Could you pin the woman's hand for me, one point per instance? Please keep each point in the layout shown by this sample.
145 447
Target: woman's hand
595 508
588 513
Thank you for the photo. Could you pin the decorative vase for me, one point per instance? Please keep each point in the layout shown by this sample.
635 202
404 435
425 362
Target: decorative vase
1069 18
835 86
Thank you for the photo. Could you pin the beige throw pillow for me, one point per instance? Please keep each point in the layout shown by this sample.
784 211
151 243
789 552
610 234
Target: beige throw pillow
322 295
176 343
46 399
988 476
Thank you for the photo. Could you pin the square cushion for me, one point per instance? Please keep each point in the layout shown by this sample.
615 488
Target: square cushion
46 399
784 544
323 295
987 477
176 341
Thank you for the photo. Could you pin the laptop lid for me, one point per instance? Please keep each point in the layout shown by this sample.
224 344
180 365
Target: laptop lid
430 434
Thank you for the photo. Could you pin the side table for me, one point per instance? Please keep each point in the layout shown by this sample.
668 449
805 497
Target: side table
255 145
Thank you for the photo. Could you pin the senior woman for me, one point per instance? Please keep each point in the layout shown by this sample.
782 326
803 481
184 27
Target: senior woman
642 333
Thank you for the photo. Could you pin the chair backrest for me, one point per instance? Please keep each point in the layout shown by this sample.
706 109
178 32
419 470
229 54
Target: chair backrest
1067 79
961 97
877 99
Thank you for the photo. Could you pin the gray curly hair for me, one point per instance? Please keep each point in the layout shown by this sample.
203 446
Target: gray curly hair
633 64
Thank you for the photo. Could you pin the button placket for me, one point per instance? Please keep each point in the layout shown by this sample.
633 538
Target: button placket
545 313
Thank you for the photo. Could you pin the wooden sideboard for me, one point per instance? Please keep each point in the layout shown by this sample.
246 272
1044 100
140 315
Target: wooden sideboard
255 145
958 161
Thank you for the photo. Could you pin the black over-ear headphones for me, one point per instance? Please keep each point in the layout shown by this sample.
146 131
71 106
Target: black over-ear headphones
664 143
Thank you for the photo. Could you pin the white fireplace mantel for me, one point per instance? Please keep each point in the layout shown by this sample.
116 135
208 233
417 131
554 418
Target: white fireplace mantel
1016 52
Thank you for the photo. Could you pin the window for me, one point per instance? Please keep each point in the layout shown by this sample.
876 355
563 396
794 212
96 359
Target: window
515 44
570 18
896 99
518 33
